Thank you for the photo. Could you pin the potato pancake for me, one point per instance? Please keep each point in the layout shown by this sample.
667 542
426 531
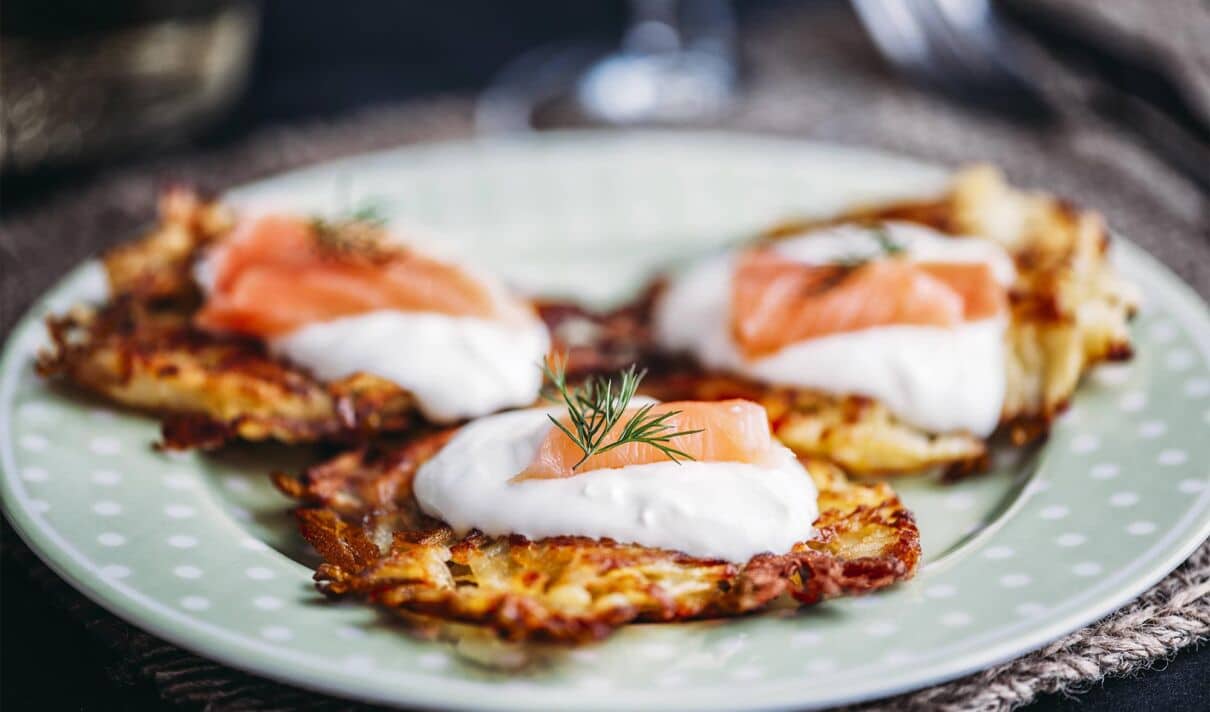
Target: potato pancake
359 512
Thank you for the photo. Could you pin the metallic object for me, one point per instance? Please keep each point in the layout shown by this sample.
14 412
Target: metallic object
676 64
957 46
77 96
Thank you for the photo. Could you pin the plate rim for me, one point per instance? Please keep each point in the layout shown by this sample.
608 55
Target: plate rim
1187 307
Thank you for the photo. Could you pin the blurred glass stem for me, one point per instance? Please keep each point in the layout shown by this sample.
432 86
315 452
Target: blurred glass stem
676 64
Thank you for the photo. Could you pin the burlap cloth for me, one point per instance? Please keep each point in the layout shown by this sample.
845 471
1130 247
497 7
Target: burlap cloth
810 74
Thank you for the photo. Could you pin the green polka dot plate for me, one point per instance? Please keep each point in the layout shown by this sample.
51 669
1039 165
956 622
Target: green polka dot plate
200 550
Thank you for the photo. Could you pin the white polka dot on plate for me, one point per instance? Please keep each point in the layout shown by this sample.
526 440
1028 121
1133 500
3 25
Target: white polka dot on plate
898 657
107 508
240 513
187 572
1191 486
960 500
1172 457
1070 539
1112 374
106 478
276 632
805 639
583 655
179 511
34 442
110 539
954 619
236 484
254 544
1123 499
1104 471
102 414
658 651
730 646
940 590
34 474
1132 402
1179 359
182 541
1086 568
115 571
1085 443
1163 332
36 412
39 506
359 663
433 661
670 680
880 628
1152 428
747 672
1054 511
349 632
1140 528
1197 388
267 603
258 573
593 682
998 552
195 603
178 481
104 445
1014 580
1029 609
816 667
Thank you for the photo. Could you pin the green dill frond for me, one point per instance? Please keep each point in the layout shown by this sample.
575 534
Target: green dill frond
599 404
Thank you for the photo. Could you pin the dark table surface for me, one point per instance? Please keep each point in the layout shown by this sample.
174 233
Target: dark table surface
314 61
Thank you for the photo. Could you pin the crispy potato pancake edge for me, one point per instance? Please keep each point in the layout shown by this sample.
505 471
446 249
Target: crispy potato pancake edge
358 512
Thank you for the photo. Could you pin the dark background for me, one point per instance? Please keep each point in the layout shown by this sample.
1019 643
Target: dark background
318 60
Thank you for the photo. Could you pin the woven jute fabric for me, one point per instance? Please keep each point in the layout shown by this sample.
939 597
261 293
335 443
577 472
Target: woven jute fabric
811 74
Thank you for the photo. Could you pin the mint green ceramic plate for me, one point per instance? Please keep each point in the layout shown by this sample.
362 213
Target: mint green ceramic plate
199 550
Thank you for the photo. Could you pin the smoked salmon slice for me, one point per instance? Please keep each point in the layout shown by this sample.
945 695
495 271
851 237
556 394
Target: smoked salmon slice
777 302
730 431
274 275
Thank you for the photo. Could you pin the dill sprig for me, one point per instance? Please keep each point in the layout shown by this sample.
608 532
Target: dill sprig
597 406
369 212
887 247
885 243
356 231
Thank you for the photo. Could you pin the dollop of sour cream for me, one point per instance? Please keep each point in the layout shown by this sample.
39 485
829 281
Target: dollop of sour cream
457 367
942 379
718 510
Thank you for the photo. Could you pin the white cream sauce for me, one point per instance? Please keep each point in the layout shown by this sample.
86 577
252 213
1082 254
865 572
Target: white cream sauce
457 367
940 379
724 510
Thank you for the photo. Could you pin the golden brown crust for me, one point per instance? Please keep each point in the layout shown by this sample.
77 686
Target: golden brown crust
157 265
1069 311
210 388
139 350
359 513
1070 308
859 434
